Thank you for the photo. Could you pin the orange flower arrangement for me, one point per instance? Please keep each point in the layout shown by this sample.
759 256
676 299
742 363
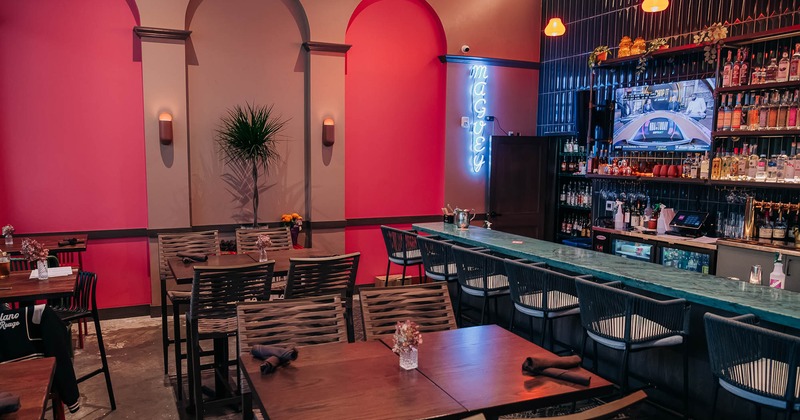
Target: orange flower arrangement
291 220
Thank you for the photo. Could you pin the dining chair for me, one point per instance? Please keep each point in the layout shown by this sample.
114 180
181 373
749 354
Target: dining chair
428 305
481 275
281 240
22 264
751 362
622 320
541 293
212 316
437 258
169 245
608 410
402 249
83 306
335 275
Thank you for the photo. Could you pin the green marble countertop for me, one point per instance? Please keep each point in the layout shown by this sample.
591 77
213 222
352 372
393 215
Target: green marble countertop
773 305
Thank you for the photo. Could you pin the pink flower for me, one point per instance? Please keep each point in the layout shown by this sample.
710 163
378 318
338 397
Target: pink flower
406 336
33 250
263 241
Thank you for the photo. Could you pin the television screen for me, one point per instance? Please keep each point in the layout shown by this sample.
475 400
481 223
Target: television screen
670 116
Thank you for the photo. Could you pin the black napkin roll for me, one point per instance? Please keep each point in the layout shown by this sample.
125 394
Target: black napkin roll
555 367
273 356
69 242
9 402
192 257
270 365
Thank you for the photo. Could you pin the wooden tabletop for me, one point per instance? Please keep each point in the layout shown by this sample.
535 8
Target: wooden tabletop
361 380
18 286
184 272
33 391
49 241
481 368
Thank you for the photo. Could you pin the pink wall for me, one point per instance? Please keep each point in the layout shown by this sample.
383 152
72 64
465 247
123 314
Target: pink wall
71 133
395 99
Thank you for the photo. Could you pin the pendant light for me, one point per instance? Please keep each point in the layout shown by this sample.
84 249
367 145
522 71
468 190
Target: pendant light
555 27
655 5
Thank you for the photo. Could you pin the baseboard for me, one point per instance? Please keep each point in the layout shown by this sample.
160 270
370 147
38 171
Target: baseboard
124 312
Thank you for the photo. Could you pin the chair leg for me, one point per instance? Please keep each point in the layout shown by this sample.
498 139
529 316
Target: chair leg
189 364
530 328
544 332
715 394
419 271
403 280
596 358
624 379
388 268
164 327
176 327
583 346
103 359
511 324
81 330
550 333
458 306
483 311
685 379
197 387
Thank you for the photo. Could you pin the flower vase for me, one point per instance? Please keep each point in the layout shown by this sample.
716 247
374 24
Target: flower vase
41 267
295 231
409 359
262 255
9 239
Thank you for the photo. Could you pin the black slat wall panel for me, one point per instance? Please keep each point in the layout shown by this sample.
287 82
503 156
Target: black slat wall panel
603 22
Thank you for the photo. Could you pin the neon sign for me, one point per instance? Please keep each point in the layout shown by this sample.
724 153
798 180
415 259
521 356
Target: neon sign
479 77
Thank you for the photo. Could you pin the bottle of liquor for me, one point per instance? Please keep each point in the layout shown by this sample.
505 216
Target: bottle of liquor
752 164
794 64
721 113
772 169
704 167
771 75
744 72
780 161
716 165
791 119
735 70
783 67
741 171
736 118
779 228
772 119
727 116
752 113
765 231
763 113
562 198
789 168
761 168
733 164
783 111
725 166
755 73
727 71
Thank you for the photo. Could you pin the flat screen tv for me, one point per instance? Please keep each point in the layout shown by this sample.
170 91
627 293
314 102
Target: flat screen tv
669 116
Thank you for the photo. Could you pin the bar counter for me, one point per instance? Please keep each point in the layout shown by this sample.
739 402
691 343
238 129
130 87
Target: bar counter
774 305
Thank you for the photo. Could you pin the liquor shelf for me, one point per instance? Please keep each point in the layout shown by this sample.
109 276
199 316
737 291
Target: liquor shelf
755 133
773 305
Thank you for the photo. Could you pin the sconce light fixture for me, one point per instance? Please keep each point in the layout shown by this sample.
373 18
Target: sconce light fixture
555 27
652 6
165 128
327 132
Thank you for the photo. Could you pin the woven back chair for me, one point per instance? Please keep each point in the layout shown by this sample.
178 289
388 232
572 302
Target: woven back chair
296 322
437 258
212 315
169 245
622 320
428 305
20 264
246 238
336 275
541 293
481 275
754 363
402 249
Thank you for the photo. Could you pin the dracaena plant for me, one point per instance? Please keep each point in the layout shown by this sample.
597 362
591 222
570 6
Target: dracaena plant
248 135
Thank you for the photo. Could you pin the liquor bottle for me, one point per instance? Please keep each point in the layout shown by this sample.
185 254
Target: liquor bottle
783 111
696 166
736 118
733 164
772 119
721 113
780 161
794 64
755 73
752 113
744 72
765 230
761 168
562 198
725 166
716 165
727 71
789 168
727 117
704 167
752 164
771 75
779 228
783 67
763 113
735 70
791 119
772 169
741 171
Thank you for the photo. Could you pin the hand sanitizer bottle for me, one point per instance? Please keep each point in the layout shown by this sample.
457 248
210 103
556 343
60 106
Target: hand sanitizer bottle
776 277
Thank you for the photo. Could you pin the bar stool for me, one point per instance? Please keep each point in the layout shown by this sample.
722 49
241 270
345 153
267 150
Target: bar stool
480 274
437 258
753 363
621 320
541 293
402 249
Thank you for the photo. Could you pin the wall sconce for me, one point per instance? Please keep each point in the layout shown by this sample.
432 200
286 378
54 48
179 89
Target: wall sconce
328 130
165 128
655 5
555 27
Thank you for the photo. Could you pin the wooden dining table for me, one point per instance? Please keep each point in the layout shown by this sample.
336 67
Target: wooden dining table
34 388
461 372
19 287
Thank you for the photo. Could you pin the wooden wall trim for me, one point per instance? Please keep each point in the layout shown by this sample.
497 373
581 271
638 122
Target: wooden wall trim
161 33
326 47
497 62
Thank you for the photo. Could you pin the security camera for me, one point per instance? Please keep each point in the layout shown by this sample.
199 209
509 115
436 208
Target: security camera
465 48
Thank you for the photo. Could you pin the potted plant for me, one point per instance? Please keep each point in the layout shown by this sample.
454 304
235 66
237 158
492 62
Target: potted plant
598 54
248 136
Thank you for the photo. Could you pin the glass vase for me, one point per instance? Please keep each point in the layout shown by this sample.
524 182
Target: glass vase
41 267
9 239
409 359
262 255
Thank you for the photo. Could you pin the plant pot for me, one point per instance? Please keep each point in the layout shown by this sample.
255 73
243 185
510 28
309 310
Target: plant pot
657 170
664 170
673 171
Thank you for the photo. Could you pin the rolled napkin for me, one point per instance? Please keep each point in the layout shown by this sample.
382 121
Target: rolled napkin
9 402
273 356
69 241
270 365
192 257
555 367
